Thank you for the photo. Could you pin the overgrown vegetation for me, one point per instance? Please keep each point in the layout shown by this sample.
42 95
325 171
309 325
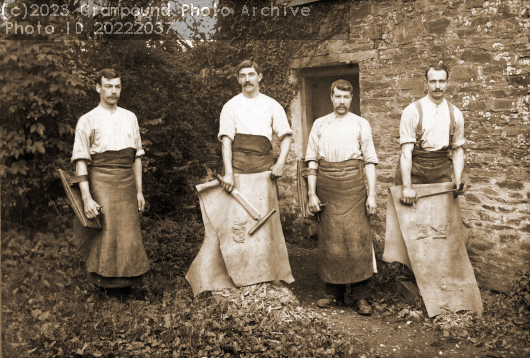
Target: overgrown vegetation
49 310
161 319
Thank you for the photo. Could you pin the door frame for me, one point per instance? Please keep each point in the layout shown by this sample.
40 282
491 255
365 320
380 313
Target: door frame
308 75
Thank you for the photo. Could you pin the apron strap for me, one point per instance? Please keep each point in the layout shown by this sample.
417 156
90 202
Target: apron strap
419 127
452 122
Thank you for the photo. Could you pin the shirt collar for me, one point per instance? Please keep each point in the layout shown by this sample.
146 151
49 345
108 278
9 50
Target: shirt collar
106 112
432 104
334 116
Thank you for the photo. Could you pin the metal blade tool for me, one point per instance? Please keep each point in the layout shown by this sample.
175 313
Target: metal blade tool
251 210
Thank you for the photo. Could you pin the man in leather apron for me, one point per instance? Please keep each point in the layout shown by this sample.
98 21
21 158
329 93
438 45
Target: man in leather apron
107 153
431 139
246 126
247 123
340 146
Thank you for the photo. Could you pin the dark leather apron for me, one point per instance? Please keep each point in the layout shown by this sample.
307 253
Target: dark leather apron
429 167
345 246
115 254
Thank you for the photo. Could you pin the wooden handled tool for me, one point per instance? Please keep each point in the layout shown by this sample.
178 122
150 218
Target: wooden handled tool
251 210
454 191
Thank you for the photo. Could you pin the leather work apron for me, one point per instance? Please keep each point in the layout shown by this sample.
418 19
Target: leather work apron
345 243
429 240
229 257
115 255
429 167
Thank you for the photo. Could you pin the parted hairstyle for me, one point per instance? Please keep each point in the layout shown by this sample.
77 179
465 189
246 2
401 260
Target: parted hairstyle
108 73
342 85
247 64
438 67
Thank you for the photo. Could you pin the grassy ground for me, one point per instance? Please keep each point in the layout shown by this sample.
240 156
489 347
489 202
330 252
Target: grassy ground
48 310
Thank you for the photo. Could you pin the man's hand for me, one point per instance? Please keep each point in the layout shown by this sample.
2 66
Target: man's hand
277 170
228 182
408 196
461 188
371 205
314 204
91 208
141 202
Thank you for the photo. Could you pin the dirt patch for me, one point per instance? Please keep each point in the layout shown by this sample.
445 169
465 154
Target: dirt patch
384 334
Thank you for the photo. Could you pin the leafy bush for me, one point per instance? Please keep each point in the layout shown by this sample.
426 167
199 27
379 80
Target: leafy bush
42 85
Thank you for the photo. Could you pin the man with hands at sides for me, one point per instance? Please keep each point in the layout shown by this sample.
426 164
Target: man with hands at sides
107 152
340 147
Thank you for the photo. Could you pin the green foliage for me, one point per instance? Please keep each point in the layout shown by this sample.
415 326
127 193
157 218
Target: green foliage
164 321
176 88
50 311
171 246
42 82
503 325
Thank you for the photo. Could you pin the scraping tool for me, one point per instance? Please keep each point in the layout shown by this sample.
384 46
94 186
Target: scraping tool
251 210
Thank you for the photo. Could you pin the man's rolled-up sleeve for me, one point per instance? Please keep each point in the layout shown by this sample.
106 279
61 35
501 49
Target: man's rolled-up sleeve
83 140
137 139
367 145
407 125
458 135
311 152
227 124
280 124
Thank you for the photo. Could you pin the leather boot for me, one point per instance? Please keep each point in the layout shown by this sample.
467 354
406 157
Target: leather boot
363 307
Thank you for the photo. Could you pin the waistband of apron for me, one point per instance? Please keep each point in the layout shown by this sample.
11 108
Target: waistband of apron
123 158
346 165
426 154
249 143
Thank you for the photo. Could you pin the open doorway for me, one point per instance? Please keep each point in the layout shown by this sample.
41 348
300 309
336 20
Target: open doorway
316 86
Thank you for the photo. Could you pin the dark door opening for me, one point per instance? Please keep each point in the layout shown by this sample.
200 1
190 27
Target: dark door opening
321 93
316 93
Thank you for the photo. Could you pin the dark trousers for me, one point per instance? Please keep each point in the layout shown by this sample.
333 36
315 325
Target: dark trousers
358 290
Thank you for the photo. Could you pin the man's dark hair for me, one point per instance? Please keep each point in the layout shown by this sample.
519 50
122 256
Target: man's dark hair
108 73
438 67
247 64
342 85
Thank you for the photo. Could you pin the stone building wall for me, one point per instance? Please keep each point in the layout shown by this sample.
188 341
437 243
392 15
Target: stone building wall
486 46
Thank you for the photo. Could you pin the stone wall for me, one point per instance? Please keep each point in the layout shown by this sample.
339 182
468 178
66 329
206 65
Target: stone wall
486 46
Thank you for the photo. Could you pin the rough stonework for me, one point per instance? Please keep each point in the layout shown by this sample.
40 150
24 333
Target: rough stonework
486 46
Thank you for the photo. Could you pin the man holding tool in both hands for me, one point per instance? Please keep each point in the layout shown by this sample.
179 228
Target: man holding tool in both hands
429 239
429 128
340 146
244 242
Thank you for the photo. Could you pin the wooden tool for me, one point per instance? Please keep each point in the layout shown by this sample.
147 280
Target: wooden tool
73 193
251 210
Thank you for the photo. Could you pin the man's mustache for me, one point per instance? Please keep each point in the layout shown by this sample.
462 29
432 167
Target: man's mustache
248 83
